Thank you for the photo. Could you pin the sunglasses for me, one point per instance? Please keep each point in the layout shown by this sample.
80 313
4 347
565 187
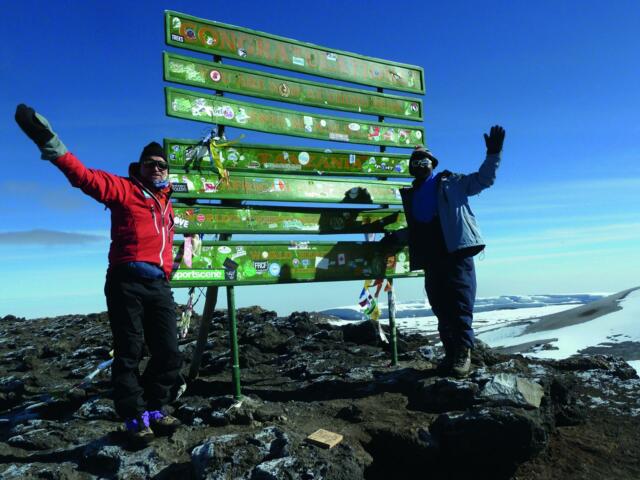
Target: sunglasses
156 163
422 163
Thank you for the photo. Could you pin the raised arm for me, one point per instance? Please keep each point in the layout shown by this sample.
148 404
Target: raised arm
102 186
486 174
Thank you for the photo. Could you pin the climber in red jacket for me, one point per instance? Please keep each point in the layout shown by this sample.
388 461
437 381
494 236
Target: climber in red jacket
139 300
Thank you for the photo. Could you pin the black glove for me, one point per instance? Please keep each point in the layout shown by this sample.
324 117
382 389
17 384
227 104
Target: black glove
30 123
38 129
494 140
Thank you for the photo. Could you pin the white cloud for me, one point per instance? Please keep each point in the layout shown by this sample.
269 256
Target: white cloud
47 237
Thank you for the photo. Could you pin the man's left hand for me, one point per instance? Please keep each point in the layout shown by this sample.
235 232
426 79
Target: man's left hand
494 140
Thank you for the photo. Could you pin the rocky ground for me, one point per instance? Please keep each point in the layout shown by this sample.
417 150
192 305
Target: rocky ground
512 418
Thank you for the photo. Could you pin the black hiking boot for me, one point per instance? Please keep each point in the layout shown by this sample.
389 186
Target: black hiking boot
461 362
445 364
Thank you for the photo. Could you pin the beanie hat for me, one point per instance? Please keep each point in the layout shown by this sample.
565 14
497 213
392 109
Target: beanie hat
422 152
154 149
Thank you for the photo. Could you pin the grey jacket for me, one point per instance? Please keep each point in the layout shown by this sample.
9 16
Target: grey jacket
459 226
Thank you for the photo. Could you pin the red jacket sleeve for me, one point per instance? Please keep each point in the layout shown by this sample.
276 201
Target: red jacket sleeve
104 187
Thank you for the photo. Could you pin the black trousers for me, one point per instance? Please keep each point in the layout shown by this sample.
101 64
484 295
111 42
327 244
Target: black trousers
450 282
141 310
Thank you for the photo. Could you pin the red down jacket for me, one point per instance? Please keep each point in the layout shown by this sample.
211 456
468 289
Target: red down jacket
141 220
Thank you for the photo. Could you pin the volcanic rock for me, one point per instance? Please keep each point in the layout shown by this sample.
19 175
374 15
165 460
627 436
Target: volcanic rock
512 417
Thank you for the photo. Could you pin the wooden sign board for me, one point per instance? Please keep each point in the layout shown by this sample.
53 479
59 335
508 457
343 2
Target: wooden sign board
188 155
191 105
267 220
256 263
239 43
226 78
282 188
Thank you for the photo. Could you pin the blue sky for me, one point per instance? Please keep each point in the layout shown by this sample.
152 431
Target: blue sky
561 77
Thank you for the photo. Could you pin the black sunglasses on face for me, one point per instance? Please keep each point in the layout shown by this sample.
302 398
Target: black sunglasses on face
156 163
422 163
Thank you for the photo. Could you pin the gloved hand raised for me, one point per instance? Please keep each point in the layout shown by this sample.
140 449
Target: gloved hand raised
495 139
39 131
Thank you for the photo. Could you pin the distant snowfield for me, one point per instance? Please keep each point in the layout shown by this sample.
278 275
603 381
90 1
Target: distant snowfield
501 322
615 327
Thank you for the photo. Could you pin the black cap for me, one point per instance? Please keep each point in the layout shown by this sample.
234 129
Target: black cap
154 149
423 152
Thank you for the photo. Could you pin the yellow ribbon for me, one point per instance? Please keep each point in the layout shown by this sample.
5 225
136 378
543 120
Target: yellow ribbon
215 148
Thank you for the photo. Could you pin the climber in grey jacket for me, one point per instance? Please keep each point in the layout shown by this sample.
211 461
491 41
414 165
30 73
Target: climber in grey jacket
443 238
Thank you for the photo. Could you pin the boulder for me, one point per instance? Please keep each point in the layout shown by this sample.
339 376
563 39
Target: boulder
510 389
493 440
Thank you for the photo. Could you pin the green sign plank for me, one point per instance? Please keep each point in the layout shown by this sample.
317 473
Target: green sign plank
217 38
188 155
226 78
260 220
224 111
283 188
254 263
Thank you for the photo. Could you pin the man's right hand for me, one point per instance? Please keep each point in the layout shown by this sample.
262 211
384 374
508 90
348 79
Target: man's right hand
34 125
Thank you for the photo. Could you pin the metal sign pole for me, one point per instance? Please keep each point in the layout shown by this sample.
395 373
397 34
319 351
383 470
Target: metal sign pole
233 340
209 306
391 306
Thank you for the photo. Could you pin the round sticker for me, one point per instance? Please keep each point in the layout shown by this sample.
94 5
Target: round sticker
323 123
414 107
201 218
232 155
303 158
242 52
265 254
402 257
215 75
354 127
295 262
279 185
227 112
418 134
224 250
207 37
274 269
284 90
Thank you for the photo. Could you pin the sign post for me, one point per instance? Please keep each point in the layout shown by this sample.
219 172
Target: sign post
361 189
